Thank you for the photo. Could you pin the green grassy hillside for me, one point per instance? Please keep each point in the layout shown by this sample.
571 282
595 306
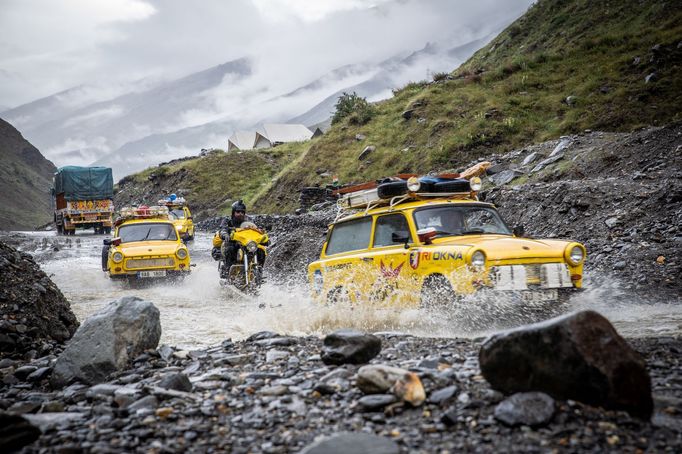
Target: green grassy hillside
212 182
565 66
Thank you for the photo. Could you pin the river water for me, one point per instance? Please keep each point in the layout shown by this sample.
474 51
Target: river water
198 312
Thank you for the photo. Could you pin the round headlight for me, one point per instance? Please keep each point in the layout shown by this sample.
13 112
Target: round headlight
251 246
178 227
478 259
181 253
475 184
413 184
577 255
117 257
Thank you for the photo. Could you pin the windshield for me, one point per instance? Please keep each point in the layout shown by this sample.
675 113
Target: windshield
147 232
460 220
177 214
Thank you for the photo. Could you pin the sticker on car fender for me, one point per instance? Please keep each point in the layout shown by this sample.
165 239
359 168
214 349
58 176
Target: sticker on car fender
441 255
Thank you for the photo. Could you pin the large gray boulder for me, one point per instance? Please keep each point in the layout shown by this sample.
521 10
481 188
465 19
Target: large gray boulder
352 442
579 356
108 340
347 346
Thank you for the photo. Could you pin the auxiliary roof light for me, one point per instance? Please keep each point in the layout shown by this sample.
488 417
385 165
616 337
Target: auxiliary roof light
413 184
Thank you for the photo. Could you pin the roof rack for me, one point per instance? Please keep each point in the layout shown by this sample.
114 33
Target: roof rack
142 212
179 201
365 196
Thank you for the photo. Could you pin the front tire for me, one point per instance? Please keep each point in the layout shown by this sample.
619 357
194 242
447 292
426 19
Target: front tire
437 294
337 296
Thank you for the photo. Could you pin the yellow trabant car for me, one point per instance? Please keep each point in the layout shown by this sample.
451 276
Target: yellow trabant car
146 245
179 213
423 249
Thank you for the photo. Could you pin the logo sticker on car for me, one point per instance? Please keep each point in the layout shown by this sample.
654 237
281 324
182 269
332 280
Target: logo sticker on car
390 272
414 259
441 255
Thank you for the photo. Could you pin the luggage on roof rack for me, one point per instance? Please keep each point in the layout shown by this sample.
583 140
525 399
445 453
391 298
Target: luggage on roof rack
410 186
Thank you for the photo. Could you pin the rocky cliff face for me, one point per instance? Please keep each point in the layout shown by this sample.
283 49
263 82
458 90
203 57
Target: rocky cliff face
34 314
25 181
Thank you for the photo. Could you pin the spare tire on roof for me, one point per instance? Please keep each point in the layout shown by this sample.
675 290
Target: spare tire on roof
392 189
459 185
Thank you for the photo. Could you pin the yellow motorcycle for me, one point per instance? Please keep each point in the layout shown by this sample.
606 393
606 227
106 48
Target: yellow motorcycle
247 246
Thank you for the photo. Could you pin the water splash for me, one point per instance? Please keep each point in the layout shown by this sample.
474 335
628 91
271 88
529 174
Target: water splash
198 312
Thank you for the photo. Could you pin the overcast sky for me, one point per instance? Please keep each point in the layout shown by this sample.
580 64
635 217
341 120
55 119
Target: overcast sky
47 46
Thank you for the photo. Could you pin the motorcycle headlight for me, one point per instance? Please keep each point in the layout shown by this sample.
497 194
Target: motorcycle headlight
178 227
475 184
181 253
478 259
117 257
576 256
251 246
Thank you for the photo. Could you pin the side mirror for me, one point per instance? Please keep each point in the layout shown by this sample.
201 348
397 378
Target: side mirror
190 218
518 231
107 242
427 234
400 236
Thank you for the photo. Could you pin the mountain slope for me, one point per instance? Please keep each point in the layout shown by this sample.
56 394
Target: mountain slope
83 134
563 67
25 182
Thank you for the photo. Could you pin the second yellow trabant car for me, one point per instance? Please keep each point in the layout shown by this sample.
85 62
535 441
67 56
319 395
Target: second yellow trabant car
179 213
146 245
418 246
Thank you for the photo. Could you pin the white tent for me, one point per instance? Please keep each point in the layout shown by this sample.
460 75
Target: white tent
242 140
277 133
269 135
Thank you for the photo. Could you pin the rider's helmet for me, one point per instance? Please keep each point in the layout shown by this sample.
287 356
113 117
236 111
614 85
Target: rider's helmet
239 210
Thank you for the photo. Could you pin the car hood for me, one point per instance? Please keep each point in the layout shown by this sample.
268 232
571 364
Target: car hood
502 247
147 248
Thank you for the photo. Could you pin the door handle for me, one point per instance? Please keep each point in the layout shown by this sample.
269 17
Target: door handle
367 259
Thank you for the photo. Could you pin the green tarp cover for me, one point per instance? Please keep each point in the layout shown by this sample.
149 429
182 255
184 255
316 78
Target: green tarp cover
84 183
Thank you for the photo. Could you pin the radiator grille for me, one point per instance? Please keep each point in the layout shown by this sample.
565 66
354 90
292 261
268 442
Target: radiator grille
520 277
136 264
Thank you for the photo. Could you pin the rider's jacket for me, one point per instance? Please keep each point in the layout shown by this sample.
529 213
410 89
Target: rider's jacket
226 226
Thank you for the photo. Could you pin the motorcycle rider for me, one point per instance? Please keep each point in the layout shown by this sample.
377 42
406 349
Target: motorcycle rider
229 248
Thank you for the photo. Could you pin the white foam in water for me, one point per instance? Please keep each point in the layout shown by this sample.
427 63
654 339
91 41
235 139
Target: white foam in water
198 312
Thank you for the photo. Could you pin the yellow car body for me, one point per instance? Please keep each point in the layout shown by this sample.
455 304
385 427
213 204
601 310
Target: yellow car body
182 219
363 261
147 248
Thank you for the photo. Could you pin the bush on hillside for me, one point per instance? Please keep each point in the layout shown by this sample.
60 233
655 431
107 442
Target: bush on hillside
353 107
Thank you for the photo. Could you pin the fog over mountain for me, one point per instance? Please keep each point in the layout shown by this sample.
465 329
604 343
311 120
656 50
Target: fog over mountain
160 80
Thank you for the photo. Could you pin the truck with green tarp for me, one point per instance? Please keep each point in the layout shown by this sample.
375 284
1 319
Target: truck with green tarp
83 199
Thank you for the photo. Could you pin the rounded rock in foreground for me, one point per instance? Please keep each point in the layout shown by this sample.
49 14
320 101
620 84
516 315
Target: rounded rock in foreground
349 346
529 409
352 442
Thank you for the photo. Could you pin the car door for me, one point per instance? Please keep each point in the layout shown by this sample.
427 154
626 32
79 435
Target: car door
390 258
345 263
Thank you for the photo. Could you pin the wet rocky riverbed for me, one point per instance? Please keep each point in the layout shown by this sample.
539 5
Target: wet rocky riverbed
272 393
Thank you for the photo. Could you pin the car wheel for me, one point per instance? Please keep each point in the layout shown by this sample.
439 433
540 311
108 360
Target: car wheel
391 189
437 294
105 256
338 296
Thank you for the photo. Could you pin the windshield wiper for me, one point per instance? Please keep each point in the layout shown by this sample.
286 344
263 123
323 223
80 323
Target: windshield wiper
147 235
472 231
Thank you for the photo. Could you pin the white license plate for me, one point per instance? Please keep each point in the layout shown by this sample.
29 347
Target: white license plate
159 273
537 296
